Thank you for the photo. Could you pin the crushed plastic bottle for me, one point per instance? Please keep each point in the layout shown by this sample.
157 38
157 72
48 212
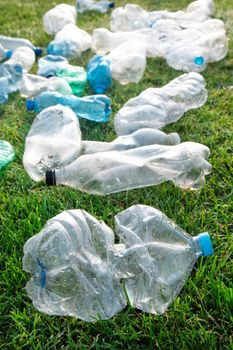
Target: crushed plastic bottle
7 154
4 54
25 56
101 6
78 271
4 89
48 65
58 17
54 141
70 42
13 43
13 71
157 107
96 107
32 85
99 74
76 77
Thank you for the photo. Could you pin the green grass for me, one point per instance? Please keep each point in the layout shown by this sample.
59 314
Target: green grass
201 317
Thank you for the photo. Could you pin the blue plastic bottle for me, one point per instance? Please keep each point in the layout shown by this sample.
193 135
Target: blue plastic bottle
99 74
96 107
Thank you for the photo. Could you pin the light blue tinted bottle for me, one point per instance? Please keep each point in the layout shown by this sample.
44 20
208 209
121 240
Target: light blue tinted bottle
7 153
96 107
60 49
4 89
49 64
99 74
13 71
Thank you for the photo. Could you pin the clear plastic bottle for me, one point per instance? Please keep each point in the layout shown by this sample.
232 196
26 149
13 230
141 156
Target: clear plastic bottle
78 271
104 173
13 71
7 154
96 107
13 43
70 42
48 65
101 6
25 56
32 85
157 107
99 74
58 17
4 89
76 77
4 54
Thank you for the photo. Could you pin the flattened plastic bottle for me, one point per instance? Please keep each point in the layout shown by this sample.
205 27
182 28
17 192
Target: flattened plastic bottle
104 173
78 271
157 107
48 65
13 43
13 71
25 56
101 6
7 154
76 77
99 74
4 89
32 85
58 17
70 42
95 107
54 140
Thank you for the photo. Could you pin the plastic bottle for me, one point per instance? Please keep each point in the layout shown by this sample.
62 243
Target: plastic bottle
32 85
13 43
127 18
48 65
13 71
4 89
54 141
75 76
78 271
101 6
96 107
4 54
70 42
7 153
58 17
25 56
157 107
99 74
104 173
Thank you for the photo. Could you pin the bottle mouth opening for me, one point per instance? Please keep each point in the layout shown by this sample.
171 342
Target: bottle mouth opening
50 177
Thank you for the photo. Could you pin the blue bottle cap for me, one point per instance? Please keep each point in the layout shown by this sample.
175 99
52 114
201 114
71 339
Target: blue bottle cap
38 51
199 60
8 54
205 243
111 5
30 105
99 90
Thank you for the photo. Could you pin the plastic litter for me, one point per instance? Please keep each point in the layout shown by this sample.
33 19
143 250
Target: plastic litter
101 6
7 154
13 43
13 71
75 76
4 89
157 107
99 74
48 65
78 271
58 17
95 107
25 56
70 42
4 54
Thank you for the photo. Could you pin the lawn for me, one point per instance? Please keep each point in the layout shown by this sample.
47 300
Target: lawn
201 317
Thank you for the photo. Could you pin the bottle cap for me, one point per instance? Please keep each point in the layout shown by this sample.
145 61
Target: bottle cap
111 5
9 53
175 138
30 105
99 90
50 177
38 51
199 60
205 243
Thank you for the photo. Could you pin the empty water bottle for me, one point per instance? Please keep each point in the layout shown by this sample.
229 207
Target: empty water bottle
96 107
25 56
101 6
4 54
58 17
13 71
78 271
7 153
48 65
99 74
4 89
75 76
70 42
54 141
13 43
32 85
157 107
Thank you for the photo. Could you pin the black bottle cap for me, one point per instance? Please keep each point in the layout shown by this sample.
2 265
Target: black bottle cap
50 177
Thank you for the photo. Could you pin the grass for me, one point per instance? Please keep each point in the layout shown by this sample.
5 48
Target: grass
201 317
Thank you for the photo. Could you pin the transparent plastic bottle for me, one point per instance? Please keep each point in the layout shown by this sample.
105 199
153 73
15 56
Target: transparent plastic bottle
13 71
99 74
4 89
78 271
96 107
76 77
101 6
32 85
58 17
13 43
48 65
25 56
53 141
70 42
104 173
4 54
7 154
157 107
